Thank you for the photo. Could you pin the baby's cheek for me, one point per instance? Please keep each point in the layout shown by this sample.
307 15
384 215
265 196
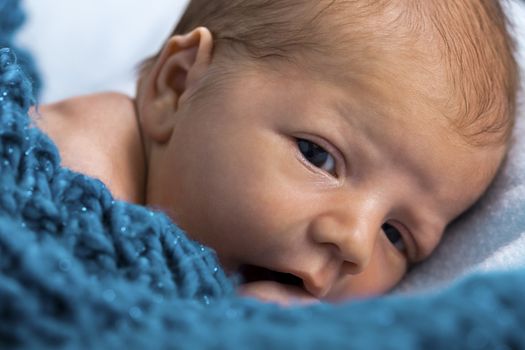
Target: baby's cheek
243 222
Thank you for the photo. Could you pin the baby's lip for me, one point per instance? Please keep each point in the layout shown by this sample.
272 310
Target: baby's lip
316 285
271 291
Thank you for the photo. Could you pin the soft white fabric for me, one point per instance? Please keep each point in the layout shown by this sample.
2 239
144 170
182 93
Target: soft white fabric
94 45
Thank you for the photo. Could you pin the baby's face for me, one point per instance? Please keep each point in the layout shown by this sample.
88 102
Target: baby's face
342 186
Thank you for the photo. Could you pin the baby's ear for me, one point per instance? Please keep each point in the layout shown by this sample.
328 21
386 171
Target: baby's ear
181 64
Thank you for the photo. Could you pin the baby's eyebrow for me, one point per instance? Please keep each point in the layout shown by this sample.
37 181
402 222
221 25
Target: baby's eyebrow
346 113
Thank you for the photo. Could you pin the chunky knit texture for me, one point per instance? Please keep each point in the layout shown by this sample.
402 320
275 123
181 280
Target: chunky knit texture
58 227
80 270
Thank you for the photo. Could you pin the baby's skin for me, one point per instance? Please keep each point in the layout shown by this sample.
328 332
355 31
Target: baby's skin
343 186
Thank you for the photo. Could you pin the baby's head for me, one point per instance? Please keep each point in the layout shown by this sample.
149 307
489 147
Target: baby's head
321 147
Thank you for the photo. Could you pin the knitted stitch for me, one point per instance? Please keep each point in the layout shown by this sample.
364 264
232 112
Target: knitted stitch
80 270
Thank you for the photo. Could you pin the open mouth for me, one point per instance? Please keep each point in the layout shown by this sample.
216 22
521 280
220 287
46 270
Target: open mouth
252 273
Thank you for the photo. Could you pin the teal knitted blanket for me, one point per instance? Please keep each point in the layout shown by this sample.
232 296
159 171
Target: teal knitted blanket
81 270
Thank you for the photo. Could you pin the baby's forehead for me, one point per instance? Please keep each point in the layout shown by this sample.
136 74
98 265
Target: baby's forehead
456 55
384 41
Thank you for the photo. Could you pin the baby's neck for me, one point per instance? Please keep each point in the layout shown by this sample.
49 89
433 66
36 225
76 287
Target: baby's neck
99 135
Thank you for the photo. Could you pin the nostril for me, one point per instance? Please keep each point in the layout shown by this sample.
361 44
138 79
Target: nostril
350 263
350 268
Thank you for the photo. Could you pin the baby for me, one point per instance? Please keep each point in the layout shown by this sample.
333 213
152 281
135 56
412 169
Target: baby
320 147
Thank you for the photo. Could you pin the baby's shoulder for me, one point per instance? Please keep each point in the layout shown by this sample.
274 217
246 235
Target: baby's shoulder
79 127
95 135
87 111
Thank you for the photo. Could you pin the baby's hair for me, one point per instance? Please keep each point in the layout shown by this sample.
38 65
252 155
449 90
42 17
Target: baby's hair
474 44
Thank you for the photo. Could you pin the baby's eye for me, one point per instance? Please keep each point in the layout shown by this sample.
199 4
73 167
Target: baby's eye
317 155
394 237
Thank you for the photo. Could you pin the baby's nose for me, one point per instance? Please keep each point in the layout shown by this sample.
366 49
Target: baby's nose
354 243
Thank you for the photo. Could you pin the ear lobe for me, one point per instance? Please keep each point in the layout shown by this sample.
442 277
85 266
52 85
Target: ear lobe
182 63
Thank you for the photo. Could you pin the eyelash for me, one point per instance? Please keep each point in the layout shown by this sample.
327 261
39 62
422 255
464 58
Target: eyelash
317 147
387 229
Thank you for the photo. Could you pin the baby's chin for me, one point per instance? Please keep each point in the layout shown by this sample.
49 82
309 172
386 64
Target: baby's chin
275 292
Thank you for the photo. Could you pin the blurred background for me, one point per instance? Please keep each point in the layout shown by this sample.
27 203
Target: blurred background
84 46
